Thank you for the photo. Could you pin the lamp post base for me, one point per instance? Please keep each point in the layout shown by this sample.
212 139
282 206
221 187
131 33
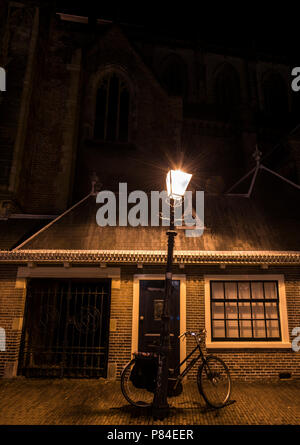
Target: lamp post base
160 412
160 406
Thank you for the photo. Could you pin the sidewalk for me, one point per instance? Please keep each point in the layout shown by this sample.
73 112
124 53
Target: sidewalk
100 402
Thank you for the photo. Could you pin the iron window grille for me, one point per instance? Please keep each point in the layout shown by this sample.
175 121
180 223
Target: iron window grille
245 310
66 328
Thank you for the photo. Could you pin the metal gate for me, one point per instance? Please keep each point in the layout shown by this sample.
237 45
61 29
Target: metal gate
66 329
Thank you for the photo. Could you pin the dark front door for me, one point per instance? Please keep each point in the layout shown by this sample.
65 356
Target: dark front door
66 329
151 305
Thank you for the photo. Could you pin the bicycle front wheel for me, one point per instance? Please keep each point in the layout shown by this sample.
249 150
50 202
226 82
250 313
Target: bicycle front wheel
214 382
139 397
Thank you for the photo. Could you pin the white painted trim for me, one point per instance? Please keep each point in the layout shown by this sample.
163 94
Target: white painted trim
70 272
136 303
247 345
284 343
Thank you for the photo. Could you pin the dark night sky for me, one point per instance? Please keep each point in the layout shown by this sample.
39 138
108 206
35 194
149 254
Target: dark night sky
272 27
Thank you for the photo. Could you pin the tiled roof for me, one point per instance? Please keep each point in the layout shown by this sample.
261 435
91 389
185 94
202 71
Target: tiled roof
231 224
262 229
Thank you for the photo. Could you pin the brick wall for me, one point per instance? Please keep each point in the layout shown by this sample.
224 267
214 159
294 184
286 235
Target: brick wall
248 364
120 337
12 301
245 364
49 148
16 42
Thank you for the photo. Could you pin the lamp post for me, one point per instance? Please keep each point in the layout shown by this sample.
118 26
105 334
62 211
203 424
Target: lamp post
177 182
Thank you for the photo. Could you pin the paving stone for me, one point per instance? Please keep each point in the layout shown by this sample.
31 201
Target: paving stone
100 402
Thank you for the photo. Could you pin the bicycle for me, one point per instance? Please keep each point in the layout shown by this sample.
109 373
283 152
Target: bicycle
138 379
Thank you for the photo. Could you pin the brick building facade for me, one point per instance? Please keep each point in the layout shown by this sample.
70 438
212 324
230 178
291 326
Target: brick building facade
77 286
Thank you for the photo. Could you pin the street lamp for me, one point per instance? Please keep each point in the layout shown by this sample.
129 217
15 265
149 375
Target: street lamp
177 182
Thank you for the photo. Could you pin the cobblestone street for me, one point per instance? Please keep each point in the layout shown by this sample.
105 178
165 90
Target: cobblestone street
100 402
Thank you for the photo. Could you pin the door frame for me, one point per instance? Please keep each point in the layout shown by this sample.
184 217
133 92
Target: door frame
136 305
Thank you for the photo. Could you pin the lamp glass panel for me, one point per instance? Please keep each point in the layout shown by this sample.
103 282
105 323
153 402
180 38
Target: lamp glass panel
177 182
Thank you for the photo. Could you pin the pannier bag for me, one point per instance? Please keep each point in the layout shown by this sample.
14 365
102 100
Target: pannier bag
143 374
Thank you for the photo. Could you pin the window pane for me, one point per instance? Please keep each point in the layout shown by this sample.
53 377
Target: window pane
245 329
230 290
231 310
259 330
270 290
244 310
227 88
257 290
232 329
124 113
100 112
217 289
272 328
258 310
218 329
271 310
218 310
113 99
157 309
174 76
257 320
244 290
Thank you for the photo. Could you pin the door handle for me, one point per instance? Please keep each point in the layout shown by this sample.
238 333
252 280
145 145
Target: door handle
141 317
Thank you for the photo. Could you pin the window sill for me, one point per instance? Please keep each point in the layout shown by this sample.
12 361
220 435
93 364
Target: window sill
248 345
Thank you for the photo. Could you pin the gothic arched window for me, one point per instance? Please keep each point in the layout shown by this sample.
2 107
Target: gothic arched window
112 110
174 76
227 88
275 95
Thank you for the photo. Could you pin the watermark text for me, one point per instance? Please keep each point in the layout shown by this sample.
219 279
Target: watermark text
296 340
296 80
2 79
2 340
135 210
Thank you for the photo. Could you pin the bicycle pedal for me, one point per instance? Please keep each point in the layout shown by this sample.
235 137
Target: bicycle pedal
230 402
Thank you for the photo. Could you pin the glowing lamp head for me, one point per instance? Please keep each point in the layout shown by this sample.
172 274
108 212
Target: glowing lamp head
177 182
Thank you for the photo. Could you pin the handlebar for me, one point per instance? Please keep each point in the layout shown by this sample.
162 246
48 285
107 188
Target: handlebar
192 333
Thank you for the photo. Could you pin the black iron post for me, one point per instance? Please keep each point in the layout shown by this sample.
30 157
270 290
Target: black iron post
160 406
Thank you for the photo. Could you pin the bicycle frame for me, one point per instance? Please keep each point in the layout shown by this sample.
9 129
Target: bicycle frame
180 376
174 381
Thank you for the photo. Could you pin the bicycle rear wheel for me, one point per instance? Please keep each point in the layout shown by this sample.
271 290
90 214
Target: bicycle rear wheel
214 382
139 397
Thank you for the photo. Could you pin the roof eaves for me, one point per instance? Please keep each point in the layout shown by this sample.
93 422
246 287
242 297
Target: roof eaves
150 257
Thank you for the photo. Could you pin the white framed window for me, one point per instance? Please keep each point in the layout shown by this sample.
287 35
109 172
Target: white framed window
246 311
